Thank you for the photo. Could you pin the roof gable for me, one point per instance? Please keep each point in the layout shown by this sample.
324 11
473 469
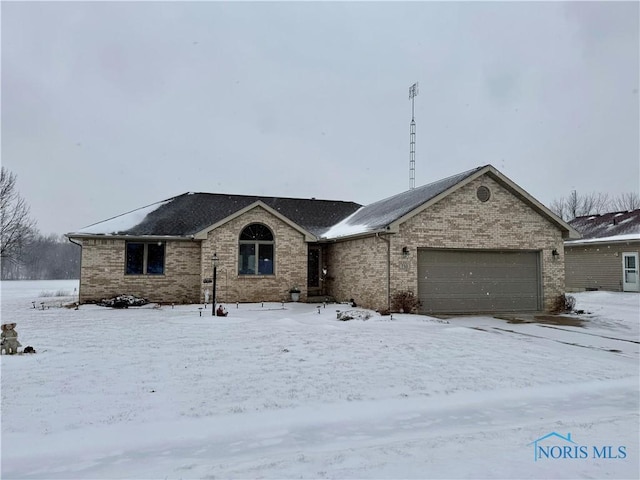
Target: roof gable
257 204
388 214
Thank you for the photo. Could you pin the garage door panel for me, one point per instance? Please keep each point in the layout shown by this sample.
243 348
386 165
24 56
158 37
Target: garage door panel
463 281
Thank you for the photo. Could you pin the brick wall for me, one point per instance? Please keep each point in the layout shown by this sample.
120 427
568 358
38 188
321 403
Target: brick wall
358 269
103 273
460 220
290 267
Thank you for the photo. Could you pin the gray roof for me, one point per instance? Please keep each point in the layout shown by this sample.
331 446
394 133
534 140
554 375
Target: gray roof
614 224
379 215
190 213
193 213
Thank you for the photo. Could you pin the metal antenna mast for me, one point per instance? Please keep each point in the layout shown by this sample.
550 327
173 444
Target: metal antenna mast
413 91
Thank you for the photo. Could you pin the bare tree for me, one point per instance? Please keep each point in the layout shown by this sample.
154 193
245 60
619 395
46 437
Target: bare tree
559 207
626 201
577 205
573 205
594 204
16 226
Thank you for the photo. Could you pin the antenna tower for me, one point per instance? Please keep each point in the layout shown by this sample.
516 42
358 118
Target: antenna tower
413 91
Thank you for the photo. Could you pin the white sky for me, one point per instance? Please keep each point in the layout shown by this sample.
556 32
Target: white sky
107 107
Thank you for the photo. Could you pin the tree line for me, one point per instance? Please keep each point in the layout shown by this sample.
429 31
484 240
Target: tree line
25 253
578 205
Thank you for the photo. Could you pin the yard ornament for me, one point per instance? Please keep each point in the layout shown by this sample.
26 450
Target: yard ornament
9 337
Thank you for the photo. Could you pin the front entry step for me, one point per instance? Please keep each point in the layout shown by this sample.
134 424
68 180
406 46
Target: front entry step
321 299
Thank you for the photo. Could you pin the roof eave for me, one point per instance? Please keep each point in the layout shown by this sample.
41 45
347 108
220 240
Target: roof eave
117 236
356 236
594 241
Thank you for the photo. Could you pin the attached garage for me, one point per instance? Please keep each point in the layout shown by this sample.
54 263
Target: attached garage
471 281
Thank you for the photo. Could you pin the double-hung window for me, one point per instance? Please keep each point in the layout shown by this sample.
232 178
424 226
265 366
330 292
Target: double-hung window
145 258
256 251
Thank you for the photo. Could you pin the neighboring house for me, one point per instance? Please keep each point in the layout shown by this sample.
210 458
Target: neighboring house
473 242
606 258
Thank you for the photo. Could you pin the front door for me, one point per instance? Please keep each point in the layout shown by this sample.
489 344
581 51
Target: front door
630 272
314 260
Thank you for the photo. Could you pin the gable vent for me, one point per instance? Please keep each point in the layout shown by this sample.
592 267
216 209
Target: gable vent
483 193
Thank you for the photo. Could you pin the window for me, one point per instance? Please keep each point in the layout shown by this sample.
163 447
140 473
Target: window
256 251
145 258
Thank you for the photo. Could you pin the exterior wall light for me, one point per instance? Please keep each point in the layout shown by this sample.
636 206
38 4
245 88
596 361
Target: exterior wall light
405 251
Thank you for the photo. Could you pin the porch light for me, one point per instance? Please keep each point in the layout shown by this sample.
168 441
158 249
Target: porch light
214 261
405 251
555 253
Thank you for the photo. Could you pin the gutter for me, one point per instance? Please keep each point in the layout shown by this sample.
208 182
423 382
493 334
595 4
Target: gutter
80 279
354 236
129 237
388 241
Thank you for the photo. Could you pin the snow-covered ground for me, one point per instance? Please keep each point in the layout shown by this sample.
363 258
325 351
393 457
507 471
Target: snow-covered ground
272 392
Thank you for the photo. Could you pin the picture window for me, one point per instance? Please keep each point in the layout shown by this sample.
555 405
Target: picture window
256 251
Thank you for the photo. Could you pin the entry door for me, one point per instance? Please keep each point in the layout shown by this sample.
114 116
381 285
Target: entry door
313 268
630 272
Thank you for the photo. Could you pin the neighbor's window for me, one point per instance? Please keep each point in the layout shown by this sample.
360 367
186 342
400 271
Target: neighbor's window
256 250
145 258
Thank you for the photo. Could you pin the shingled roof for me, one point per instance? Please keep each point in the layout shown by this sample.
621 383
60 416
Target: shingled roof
193 214
379 215
190 213
614 226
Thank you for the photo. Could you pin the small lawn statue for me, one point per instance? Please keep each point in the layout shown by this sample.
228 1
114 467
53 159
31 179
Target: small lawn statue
9 337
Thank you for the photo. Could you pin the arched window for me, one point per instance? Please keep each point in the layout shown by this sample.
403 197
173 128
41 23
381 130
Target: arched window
256 250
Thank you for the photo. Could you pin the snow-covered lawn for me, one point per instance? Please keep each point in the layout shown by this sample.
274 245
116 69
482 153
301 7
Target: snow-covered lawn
269 392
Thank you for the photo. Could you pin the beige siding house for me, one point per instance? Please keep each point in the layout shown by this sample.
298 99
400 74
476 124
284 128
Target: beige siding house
606 257
472 242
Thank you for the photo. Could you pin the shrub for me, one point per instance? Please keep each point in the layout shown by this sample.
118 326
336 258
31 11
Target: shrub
353 315
405 302
563 304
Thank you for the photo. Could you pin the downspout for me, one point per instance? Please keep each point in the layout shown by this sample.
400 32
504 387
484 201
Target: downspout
80 279
388 241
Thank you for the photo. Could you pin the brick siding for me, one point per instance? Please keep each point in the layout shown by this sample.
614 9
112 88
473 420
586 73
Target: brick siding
356 268
290 260
460 221
103 273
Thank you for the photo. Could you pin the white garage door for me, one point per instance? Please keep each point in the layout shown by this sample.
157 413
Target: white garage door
472 281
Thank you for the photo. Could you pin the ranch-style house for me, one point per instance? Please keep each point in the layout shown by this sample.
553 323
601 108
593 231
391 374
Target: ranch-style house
472 242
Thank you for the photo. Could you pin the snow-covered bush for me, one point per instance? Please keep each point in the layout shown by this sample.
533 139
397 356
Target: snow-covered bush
353 315
405 302
123 301
563 304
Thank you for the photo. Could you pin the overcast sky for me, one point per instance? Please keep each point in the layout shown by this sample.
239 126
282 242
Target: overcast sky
107 107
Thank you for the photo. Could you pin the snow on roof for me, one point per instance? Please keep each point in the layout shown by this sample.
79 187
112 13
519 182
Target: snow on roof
614 238
123 222
344 229
379 215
